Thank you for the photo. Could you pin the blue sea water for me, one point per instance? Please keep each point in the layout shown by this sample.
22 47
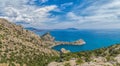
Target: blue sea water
94 38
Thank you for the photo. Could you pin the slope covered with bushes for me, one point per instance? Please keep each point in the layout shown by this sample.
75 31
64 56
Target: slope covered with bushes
109 56
20 47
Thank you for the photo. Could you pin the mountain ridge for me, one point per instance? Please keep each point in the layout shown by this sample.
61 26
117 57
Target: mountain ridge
20 47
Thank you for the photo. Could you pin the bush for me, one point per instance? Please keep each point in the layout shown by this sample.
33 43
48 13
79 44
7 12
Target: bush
79 61
67 64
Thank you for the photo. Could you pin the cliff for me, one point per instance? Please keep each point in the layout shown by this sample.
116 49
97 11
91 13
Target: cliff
20 47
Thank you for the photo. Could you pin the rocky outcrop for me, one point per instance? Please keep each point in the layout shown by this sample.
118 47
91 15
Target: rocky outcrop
78 42
48 37
63 50
51 42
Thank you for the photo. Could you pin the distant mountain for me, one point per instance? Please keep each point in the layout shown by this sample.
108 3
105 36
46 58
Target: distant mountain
72 29
33 29
68 29
19 23
37 30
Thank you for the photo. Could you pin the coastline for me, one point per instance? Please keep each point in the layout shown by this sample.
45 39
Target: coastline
50 40
78 42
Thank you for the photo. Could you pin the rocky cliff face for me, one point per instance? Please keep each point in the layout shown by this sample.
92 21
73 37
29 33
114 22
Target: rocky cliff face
22 47
48 37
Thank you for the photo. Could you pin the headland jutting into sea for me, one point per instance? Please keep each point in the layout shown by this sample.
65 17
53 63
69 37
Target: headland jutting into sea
52 42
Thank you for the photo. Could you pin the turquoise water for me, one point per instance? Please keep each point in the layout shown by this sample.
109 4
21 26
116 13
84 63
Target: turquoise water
94 38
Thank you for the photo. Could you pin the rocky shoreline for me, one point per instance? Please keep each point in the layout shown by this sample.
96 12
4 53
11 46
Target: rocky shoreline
50 40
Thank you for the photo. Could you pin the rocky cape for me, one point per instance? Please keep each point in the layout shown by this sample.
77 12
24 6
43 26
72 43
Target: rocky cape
51 42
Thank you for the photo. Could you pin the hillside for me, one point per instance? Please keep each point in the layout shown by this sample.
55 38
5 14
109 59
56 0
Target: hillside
109 56
20 47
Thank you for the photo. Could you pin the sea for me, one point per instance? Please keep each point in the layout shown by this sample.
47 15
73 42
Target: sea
94 38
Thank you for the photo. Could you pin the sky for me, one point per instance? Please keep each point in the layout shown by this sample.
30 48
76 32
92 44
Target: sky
62 14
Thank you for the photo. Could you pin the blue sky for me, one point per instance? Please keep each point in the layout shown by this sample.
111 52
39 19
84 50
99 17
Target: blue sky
61 14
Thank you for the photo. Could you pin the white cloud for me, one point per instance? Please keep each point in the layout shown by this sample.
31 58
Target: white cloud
97 15
19 11
67 4
43 1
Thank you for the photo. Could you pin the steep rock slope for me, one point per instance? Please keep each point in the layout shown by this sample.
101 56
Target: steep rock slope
22 47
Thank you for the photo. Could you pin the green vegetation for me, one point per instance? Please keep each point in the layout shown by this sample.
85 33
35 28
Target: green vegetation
79 61
23 47
67 64
24 56
87 56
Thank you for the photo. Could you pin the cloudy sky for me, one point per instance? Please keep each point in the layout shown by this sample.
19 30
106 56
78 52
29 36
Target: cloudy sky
60 14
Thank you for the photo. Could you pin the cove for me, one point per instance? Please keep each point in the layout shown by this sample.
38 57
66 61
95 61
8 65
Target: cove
94 39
